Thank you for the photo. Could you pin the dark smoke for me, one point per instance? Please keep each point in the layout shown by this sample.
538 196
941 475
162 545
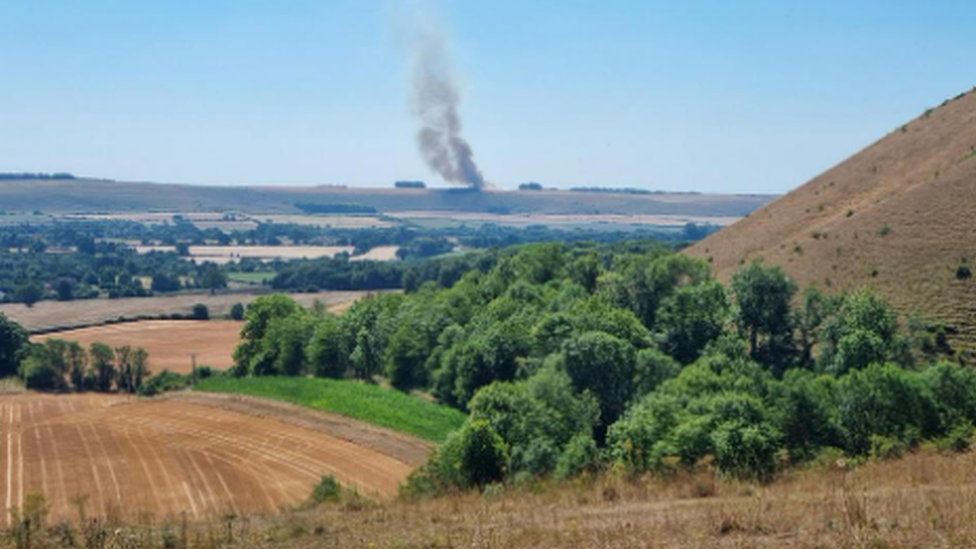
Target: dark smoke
436 100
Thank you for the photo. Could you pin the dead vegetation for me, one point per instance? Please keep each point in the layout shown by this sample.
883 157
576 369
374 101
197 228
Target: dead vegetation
923 500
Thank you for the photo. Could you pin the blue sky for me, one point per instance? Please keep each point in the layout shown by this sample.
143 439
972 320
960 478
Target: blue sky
746 96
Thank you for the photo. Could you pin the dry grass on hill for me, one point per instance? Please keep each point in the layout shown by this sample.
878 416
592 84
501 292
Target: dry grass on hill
897 217
922 501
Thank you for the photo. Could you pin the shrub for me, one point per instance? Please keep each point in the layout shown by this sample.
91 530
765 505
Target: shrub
328 490
964 272
201 312
237 311
745 450
883 448
39 371
959 439
882 401
537 458
473 456
163 382
580 456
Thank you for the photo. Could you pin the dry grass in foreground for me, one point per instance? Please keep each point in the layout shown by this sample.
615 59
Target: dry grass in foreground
924 500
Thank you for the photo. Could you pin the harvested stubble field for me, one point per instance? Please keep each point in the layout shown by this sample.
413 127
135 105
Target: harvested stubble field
170 343
131 458
62 315
227 254
922 501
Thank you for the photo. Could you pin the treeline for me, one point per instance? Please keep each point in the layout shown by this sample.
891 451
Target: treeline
315 208
626 190
99 270
410 185
57 365
574 359
33 176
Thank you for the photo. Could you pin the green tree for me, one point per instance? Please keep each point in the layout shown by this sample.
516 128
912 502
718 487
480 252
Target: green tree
881 401
213 279
77 364
260 315
365 357
863 331
809 320
650 283
65 289
606 366
475 455
763 295
585 271
283 347
653 368
407 355
201 312
103 364
13 346
327 353
29 294
39 370
691 318
132 368
237 312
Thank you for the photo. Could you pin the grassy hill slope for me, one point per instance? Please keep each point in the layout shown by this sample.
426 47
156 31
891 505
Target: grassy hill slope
898 216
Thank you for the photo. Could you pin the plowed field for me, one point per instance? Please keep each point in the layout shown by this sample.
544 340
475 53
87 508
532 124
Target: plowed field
132 458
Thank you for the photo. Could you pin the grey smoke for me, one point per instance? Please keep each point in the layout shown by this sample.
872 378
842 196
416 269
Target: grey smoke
435 101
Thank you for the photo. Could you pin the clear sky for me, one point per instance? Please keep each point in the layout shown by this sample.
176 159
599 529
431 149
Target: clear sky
728 96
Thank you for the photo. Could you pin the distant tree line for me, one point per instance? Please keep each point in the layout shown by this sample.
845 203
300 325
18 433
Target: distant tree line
33 176
314 208
626 190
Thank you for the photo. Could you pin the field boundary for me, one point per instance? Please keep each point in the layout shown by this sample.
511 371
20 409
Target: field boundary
403 447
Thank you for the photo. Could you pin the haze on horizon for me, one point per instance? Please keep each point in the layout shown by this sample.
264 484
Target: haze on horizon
756 97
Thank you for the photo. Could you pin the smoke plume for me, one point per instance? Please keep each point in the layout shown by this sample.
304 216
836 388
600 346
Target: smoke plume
435 103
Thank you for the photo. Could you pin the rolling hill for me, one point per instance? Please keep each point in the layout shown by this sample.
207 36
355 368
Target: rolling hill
105 196
897 216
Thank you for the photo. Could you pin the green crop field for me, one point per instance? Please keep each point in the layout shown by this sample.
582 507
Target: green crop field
251 278
370 403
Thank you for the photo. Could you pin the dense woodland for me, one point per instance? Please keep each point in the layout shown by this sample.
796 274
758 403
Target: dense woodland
574 358
89 259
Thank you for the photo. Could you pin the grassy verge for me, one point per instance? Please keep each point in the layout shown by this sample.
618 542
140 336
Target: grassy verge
377 405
